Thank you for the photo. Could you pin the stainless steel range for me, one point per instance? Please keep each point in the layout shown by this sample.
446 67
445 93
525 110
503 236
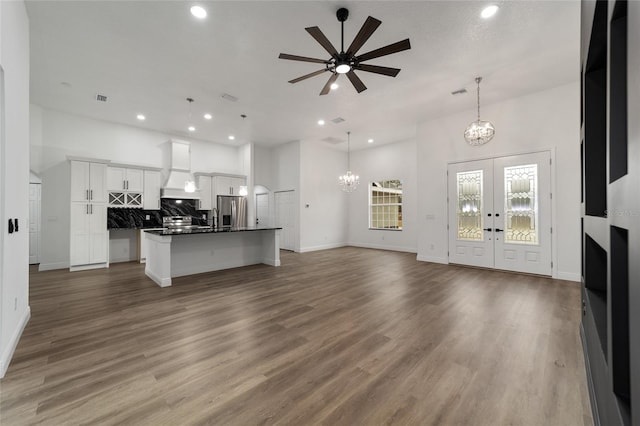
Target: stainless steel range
180 223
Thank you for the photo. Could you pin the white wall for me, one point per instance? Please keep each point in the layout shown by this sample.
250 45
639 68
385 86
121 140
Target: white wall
540 121
14 190
56 135
393 161
323 205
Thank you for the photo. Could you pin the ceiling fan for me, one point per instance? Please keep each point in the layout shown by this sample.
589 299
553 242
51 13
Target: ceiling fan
347 62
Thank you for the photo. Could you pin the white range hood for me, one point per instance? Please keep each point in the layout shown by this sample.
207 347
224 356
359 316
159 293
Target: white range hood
180 178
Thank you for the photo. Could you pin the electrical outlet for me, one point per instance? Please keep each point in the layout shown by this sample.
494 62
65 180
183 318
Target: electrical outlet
147 217
432 247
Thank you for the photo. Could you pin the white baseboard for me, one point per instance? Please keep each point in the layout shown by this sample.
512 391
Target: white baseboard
7 354
271 262
322 247
87 267
569 276
52 266
432 259
162 282
383 247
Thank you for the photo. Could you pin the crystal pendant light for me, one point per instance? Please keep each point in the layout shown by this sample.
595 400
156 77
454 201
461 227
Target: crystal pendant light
349 181
479 132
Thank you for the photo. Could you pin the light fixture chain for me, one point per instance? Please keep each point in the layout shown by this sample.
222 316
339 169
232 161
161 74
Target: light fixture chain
348 150
478 81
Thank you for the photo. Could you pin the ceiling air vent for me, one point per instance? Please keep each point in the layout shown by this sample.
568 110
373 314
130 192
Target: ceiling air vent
332 140
229 97
459 91
101 98
338 120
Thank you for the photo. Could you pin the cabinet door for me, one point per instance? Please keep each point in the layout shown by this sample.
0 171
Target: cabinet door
116 179
151 196
223 185
79 181
204 185
98 187
134 178
236 183
79 228
98 233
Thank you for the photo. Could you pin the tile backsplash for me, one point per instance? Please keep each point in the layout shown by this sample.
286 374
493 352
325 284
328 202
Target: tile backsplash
124 218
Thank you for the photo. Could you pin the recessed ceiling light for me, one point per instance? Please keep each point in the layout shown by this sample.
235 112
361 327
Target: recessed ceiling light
198 12
320 122
370 141
334 86
208 116
192 129
141 117
231 137
489 11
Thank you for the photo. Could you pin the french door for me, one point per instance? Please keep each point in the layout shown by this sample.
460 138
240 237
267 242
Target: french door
500 213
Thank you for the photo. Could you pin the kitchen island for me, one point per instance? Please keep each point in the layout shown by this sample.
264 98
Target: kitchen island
176 253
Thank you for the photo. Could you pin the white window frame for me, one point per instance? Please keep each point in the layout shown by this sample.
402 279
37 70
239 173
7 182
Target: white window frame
371 188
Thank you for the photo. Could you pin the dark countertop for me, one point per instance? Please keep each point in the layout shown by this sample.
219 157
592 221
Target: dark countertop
210 230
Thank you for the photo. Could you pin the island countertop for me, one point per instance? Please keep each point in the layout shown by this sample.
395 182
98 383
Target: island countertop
209 230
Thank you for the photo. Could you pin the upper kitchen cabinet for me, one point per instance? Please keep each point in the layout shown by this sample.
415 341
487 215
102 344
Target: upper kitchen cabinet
88 181
204 183
124 179
125 186
151 193
228 185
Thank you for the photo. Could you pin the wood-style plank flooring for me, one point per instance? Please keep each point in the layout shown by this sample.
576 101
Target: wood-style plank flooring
347 336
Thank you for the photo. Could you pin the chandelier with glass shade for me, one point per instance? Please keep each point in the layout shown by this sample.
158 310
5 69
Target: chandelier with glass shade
479 132
348 181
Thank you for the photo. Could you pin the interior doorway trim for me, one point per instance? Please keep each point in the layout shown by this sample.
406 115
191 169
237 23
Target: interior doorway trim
554 235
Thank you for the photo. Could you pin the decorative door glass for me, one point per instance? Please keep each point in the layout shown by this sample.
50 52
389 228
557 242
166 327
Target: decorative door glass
521 204
470 205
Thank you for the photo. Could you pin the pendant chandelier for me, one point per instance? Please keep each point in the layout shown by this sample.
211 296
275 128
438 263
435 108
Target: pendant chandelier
479 132
349 182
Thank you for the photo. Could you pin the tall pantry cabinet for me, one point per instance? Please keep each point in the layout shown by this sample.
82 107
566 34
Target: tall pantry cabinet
89 238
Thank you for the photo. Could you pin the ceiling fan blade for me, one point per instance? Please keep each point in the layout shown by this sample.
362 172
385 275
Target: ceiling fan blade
304 77
327 86
355 80
323 40
302 58
368 28
386 50
391 72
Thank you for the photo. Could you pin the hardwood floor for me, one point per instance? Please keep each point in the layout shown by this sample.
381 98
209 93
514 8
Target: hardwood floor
347 336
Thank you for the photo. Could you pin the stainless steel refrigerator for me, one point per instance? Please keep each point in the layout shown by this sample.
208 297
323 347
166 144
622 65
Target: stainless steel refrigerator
232 211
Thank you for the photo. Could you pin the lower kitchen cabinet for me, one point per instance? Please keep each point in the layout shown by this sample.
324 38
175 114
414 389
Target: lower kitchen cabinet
89 240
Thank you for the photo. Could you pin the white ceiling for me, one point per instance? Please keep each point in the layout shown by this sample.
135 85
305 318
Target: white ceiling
149 56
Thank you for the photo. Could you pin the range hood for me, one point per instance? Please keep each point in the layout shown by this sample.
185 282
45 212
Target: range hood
180 178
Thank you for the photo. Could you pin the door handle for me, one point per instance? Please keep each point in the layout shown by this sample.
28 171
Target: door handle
91 194
499 230
87 208
487 229
86 197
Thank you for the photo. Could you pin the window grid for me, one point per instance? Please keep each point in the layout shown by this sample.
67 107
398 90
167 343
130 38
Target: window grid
385 201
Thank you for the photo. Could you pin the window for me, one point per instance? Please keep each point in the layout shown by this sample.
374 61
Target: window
385 201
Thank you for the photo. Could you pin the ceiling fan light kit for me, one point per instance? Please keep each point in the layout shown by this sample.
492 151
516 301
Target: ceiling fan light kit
346 62
479 132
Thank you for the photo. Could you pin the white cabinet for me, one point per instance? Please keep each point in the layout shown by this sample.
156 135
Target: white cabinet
228 185
88 181
151 193
204 185
89 236
125 186
123 179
